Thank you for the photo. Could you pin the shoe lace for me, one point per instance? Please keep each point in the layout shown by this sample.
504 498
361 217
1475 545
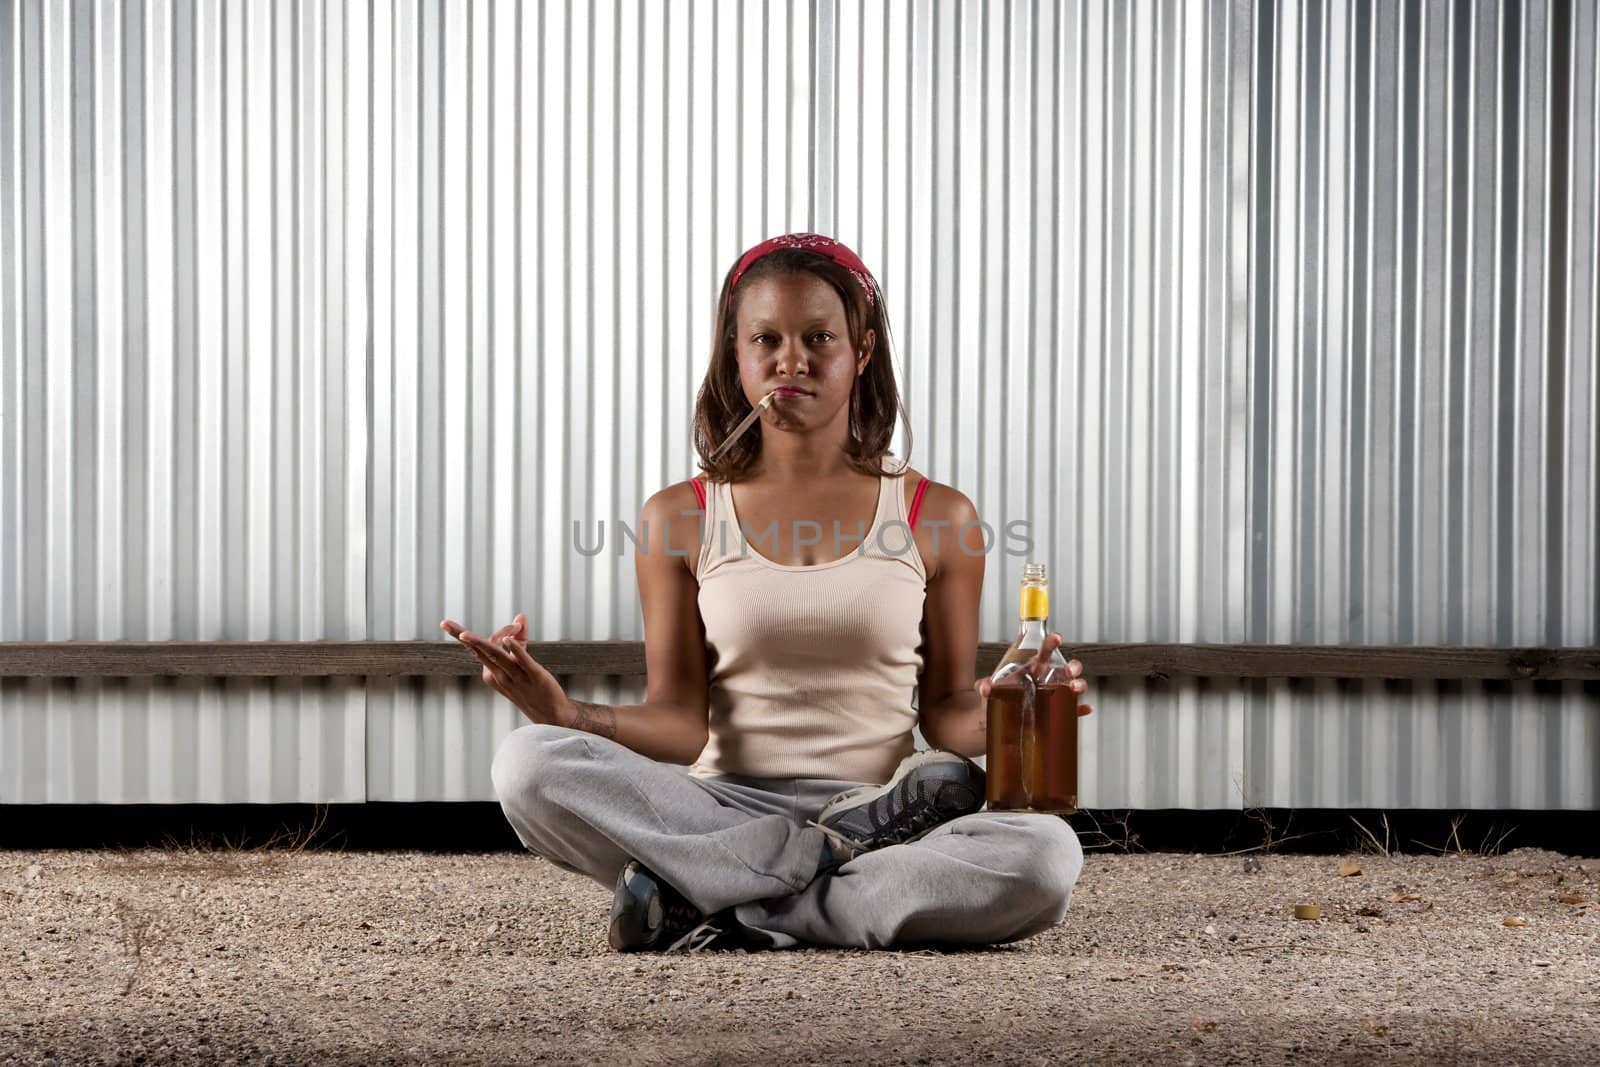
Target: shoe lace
920 816
844 846
702 936
850 793
916 819
700 931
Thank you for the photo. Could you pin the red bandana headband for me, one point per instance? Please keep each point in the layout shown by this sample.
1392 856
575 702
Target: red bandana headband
813 242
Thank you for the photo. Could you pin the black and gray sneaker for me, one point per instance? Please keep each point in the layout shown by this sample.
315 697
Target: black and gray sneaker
648 915
928 789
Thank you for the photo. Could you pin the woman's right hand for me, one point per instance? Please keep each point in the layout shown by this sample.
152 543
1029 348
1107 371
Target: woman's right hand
509 670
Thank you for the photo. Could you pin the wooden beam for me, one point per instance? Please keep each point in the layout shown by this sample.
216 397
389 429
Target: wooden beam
300 659
1414 662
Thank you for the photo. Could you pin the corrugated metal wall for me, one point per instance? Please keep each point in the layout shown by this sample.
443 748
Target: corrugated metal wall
184 388
1277 322
556 191
1424 401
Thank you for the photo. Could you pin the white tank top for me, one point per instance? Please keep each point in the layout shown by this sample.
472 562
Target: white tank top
812 670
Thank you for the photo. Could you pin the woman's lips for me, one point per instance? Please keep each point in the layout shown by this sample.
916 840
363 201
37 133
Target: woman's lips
791 392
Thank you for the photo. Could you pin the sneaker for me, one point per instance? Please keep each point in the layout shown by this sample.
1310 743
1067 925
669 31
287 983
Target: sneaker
928 789
648 915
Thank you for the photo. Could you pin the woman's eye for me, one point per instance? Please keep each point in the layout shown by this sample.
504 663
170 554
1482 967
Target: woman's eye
816 338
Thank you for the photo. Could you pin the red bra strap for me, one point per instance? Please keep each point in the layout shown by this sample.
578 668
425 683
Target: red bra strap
699 492
916 502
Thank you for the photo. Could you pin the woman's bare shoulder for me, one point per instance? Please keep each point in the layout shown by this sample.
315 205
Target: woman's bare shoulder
671 519
943 516
940 502
670 500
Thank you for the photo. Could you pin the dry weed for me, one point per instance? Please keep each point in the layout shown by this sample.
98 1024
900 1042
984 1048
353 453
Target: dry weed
222 856
1491 845
138 930
1113 835
1380 847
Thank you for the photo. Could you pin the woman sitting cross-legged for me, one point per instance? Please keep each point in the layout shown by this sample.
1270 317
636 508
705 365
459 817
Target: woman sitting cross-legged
795 599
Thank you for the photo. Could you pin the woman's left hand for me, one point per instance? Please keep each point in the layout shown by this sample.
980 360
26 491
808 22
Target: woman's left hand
1039 666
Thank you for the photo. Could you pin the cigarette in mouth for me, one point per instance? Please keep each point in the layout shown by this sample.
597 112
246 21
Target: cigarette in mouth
744 424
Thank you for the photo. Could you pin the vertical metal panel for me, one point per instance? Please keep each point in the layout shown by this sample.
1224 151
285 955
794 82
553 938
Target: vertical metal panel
183 419
1211 358
609 160
1423 368
1276 322
1070 263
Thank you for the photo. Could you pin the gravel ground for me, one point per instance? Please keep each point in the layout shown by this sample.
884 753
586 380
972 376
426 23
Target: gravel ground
281 956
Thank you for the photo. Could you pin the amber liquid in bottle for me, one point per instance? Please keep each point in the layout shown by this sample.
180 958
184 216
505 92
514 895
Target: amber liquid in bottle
1032 727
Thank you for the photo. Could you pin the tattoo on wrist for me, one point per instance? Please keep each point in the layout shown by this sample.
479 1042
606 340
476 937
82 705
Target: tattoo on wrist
595 719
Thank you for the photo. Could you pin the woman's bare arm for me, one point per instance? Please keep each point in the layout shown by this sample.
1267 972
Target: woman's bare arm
672 723
952 713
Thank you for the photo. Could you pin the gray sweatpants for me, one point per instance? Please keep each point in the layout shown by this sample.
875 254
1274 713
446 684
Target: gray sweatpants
588 804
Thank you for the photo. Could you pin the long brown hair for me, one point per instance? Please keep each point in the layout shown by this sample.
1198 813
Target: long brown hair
874 398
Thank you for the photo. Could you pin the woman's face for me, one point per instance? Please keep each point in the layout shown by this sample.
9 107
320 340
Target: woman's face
790 334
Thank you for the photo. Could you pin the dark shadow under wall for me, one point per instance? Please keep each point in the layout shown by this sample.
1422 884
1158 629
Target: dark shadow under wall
480 827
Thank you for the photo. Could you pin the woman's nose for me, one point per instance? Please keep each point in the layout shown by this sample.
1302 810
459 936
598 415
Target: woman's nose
792 359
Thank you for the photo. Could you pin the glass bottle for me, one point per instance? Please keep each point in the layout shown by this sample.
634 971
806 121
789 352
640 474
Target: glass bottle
1032 727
